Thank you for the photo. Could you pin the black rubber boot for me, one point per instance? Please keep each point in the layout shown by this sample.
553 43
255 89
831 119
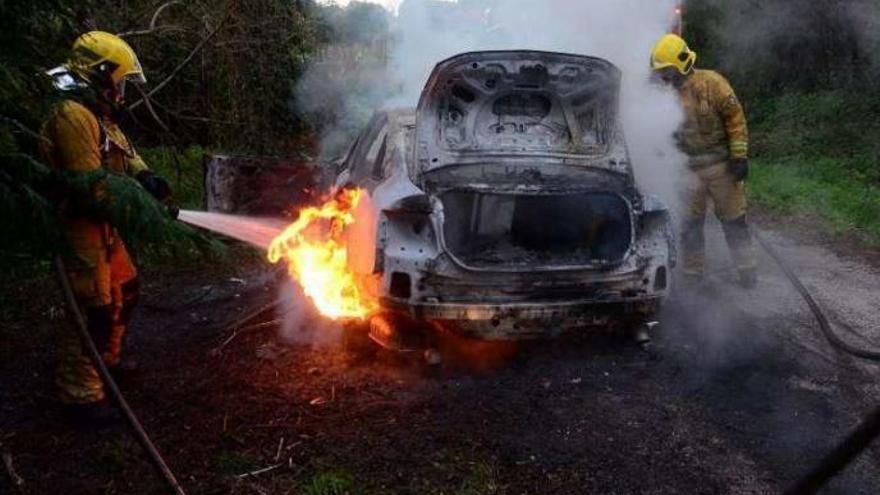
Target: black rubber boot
693 247
739 239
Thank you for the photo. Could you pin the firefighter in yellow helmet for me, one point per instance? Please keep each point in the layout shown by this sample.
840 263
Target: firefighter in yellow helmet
83 135
714 136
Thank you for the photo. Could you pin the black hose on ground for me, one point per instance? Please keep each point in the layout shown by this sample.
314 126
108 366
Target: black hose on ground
824 324
868 431
839 458
98 361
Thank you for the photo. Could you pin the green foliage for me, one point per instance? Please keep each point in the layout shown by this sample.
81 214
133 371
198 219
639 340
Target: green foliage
36 36
233 91
356 23
701 18
817 154
331 483
31 194
32 224
184 171
838 124
228 69
818 187
773 46
233 463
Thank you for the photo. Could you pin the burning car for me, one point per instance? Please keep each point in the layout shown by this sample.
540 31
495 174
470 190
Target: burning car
505 205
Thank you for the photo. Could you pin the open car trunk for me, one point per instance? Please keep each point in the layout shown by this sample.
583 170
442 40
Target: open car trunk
524 232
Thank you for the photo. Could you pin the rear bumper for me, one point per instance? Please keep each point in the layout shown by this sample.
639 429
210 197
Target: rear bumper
531 320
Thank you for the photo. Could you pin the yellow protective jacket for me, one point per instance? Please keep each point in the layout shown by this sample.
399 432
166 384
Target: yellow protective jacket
714 128
79 141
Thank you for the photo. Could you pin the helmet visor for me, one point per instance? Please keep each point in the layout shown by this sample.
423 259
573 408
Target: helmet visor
137 77
133 78
135 72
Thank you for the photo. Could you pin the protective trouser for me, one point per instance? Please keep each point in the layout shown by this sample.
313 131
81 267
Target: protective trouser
104 281
728 197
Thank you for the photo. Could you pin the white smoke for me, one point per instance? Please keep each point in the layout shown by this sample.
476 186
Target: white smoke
865 18
301 324
621 31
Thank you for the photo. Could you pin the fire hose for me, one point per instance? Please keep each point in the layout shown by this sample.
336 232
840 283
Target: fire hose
98 361
868 431
839 458
824 324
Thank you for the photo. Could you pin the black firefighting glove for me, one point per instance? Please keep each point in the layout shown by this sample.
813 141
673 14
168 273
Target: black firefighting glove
738 168
155 185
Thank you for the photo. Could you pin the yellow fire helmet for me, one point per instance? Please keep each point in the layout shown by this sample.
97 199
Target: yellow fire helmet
673 51
105 55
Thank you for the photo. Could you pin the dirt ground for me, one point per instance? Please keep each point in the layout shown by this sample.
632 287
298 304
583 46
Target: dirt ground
739 394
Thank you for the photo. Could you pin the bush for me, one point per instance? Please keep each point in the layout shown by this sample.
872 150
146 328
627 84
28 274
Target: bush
775 46
815 186
183 169
818 154
829 124
233 90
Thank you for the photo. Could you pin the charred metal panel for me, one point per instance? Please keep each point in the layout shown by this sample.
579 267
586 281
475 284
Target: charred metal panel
523 103
260 186
528 176
530 321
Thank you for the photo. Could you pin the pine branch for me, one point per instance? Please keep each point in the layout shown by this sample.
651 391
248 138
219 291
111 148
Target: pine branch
31 195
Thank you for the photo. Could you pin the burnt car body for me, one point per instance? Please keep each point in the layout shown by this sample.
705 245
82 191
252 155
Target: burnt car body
505 205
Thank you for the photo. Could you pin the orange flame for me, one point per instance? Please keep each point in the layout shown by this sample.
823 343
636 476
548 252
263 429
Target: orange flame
315 250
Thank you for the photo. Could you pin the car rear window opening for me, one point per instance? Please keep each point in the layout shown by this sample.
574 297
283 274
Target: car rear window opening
487 230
